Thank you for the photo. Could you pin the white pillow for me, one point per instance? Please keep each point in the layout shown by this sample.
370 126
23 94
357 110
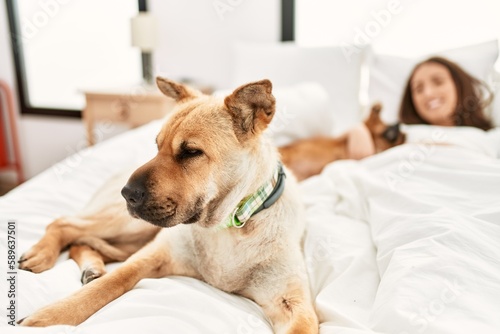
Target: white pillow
389 74
302 111
286 63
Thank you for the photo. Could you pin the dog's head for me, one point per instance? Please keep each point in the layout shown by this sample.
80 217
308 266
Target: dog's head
209 154
384 136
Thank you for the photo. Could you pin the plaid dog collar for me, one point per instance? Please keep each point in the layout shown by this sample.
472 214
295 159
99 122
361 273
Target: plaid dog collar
263 198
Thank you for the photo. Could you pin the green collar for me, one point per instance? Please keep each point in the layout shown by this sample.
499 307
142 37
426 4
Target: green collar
263 198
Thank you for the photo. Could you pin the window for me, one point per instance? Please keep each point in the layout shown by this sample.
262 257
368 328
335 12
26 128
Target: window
63 47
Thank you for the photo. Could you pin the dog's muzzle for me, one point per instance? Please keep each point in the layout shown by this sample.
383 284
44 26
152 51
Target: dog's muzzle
142 204
391 133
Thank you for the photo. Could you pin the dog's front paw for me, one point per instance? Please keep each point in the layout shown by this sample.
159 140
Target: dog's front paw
49 316
33 322
37 320
38 258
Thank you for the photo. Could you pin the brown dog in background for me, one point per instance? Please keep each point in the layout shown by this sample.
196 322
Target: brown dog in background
308 157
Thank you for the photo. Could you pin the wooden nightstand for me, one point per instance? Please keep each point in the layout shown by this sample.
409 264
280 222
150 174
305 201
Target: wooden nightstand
132 107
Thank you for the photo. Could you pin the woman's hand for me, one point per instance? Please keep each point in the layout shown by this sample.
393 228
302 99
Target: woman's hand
359 142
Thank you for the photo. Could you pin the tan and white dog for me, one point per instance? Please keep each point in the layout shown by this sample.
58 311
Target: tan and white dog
212 167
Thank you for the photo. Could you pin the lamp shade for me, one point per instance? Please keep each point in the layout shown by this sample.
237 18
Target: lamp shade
144 32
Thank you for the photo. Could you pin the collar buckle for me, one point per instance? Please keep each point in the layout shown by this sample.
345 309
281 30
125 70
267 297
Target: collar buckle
235 222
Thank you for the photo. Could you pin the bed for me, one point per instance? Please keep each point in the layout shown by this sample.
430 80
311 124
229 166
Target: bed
406 241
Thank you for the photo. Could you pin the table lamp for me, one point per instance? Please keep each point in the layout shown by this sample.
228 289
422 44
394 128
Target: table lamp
145 37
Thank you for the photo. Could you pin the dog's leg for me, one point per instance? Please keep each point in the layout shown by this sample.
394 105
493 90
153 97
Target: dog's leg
91 262
152 261
110 222
76 308
92 253
58 235
287 303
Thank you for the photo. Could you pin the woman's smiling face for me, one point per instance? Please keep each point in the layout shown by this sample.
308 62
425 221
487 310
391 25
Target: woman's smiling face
434 94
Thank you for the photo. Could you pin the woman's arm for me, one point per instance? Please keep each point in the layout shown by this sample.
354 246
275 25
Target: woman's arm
359 142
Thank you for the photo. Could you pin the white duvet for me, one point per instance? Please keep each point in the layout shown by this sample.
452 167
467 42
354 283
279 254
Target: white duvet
407 241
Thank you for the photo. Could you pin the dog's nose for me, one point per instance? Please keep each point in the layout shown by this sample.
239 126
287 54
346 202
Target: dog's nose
134 193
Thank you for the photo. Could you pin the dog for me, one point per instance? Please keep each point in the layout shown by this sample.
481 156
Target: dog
308 157
212 165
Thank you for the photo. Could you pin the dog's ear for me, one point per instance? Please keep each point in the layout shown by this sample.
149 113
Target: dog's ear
376 109
252 107
374 116
177 91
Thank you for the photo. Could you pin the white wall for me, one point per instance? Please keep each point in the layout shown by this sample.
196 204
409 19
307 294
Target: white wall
398 27
197 35
196 38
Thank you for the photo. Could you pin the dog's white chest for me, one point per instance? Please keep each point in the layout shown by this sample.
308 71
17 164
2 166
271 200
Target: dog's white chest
225 262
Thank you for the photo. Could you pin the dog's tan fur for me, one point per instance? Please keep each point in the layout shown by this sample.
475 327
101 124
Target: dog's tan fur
308 157
210 155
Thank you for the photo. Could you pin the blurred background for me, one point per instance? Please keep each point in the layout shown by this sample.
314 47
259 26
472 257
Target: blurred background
54 54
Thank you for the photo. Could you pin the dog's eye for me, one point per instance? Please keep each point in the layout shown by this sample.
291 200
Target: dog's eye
187 153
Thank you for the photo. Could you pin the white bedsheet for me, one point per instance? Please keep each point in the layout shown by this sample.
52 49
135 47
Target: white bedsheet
433 213
407 241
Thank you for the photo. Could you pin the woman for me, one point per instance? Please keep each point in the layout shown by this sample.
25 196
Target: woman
438 92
